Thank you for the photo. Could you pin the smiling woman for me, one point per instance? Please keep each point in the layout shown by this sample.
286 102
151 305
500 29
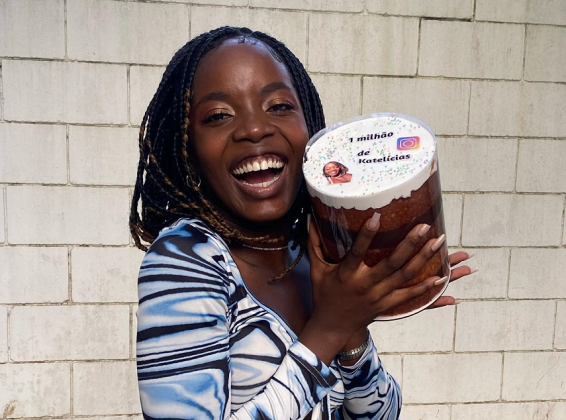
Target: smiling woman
232 321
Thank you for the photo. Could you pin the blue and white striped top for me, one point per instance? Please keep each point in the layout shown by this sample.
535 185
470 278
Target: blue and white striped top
208 349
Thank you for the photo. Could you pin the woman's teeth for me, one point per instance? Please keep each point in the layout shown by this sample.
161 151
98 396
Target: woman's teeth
258 166
263 184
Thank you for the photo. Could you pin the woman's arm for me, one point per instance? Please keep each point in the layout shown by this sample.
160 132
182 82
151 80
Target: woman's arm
187 303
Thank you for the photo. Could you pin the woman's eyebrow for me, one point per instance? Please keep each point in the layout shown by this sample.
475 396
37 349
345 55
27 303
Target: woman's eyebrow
213 96
272 87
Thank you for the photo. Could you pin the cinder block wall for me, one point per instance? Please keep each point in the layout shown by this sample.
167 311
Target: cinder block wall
488 76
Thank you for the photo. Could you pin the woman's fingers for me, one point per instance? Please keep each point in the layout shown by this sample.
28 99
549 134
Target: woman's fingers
459 272
443 301
403 251
398 296
358 251
458 257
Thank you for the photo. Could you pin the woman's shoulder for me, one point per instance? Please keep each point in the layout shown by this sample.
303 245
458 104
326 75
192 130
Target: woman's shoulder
189 245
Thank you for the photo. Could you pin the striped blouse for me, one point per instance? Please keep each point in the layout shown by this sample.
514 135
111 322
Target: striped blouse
208 349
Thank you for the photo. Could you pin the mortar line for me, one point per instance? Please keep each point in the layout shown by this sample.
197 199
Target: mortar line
455 319
525 34
474 10
128 95
517 153
462 208
307 52
65 31
361 101
1 92
419 47
71 391
69 275
68 154
563 220
131 332
189 16
555 324
508 273
469 107
8 333
501 376
5 213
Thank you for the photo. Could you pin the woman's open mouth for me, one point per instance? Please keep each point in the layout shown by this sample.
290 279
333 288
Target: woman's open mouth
259 171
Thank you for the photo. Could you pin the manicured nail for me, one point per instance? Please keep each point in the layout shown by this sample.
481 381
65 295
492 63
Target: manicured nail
471 254
438 243
457 301
440 281
374 221
473 270
308 223
423 230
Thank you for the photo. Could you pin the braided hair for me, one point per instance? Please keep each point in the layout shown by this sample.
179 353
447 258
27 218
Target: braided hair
167 186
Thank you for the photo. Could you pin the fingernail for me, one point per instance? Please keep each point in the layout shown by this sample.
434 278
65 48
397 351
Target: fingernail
457 301
471 254
308 223
438 243
440 281
423 230
473 270
374 221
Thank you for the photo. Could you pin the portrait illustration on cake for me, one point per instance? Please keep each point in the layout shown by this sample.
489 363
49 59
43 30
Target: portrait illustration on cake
336 173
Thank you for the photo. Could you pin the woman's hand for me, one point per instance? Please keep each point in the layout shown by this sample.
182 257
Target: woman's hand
455 274
349 295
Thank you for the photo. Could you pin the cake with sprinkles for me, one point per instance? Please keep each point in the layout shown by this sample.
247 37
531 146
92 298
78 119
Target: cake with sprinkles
385 163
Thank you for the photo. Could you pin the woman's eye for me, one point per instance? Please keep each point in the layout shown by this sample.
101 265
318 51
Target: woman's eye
216 116
281 107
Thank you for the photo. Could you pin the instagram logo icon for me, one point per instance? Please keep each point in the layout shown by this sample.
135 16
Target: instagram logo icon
407 143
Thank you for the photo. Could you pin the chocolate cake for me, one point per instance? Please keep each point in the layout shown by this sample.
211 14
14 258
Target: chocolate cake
384 163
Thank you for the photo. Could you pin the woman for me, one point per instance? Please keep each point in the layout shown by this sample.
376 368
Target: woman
336 173
233 322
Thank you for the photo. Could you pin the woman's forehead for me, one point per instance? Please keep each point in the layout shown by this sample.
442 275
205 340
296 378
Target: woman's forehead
238 58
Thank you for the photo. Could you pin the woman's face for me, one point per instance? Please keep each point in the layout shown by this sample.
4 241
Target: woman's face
247 131
331 169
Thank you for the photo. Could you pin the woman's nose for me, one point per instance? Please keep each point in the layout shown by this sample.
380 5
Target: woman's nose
253 126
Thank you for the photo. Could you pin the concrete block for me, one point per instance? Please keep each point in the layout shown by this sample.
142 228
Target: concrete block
125 32
33 153
32 28
105 388
512 220
3 334
537 160
355 49
544 370
68 215
33 275
490 282
440 104
432 8
517 109
54 91
505 325
287 27
452 207
69 332
425 412
35 389
537 273
516 411
531 11
492 50
393 363
544 60
444 378
105 274
414 335
341 96
103 155
472 164
322 5
144 81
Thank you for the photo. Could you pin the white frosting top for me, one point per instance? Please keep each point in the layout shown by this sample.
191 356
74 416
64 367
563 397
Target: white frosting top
369 161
